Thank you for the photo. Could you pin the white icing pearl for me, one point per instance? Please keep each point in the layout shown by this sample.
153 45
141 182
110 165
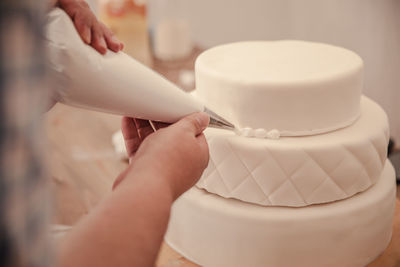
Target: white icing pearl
260 133
273 134
246 132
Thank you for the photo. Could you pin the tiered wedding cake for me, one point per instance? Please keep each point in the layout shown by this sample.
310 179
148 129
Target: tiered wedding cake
305 182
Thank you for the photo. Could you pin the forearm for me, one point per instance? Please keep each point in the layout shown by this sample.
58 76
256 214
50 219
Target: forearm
125 230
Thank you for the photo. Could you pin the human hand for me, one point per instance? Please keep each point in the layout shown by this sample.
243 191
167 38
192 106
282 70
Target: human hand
135 217
92 31
178 154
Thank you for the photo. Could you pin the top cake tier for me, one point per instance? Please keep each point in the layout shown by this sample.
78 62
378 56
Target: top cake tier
298 88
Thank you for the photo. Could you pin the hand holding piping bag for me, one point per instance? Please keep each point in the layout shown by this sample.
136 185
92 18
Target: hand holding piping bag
127 228
135 130
90 29
113 82
179 151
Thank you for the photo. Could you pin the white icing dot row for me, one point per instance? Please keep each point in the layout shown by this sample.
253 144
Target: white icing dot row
259 133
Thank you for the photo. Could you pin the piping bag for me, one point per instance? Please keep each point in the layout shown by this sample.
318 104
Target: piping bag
114 82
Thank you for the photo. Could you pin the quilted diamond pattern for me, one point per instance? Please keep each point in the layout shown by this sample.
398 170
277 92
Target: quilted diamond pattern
276 176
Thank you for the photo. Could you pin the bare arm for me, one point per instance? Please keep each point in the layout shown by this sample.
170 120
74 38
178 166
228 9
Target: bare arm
128 227
126 230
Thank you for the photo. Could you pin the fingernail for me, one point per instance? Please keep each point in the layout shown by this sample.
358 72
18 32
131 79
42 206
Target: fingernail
115 40
86 36
203 120
103 43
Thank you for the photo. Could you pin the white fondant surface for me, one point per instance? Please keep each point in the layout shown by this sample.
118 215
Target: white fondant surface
298 88
299 171
217 232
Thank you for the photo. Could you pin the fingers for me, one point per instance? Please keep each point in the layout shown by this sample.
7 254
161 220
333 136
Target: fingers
83 26
92 31
112 42
131 136
120 178
129 129
82 16
201 139
134 132
144 128
98 41
160 125
195 123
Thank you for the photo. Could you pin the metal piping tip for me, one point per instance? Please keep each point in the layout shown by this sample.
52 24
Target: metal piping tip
218 122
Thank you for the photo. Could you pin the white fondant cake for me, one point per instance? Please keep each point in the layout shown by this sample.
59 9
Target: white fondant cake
217 232
305 180
298 88
299 171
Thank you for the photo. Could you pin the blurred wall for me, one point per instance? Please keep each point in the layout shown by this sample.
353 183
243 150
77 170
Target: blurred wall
369 27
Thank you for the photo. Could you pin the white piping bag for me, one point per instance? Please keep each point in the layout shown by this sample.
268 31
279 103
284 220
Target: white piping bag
112 83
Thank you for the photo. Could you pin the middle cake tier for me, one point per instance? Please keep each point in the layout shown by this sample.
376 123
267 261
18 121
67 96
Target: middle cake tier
299 171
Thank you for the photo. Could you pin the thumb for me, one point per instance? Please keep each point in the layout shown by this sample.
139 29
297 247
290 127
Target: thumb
195 123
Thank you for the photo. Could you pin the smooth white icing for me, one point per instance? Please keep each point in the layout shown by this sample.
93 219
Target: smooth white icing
298 88
299 171
213 231
114 83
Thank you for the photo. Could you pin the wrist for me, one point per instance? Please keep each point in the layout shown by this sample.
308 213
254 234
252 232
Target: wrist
147 179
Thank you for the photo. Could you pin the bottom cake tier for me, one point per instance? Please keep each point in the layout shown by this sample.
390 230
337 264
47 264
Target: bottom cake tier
215 232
